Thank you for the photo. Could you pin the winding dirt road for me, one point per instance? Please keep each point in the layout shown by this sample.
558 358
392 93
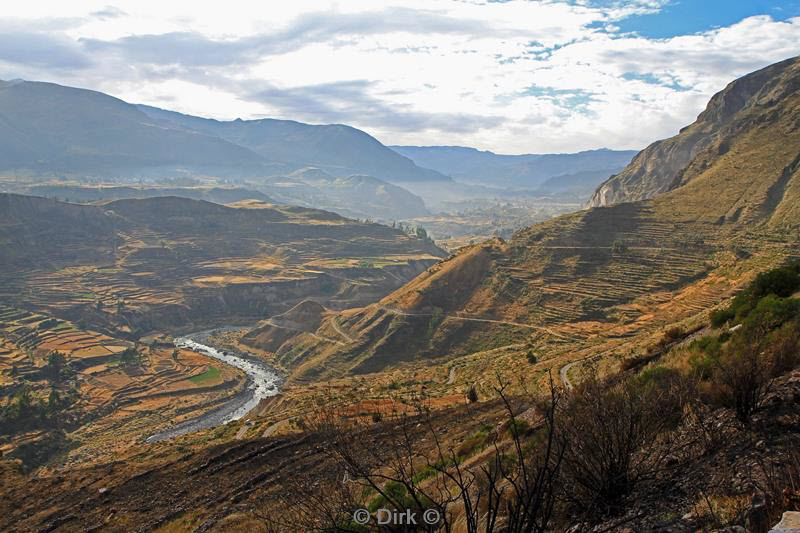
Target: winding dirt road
564 374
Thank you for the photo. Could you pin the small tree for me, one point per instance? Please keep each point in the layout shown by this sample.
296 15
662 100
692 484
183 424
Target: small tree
745 371
56 366
613 431
53 401
619 247
472 394
129 356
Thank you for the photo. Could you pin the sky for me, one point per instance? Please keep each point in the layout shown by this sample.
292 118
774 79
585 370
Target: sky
511 76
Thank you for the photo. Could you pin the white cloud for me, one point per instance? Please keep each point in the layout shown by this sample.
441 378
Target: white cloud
514 76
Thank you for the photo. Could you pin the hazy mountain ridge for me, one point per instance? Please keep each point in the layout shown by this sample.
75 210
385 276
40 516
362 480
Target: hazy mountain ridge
749 102
337 148
520 171
355 196
47 128
78 193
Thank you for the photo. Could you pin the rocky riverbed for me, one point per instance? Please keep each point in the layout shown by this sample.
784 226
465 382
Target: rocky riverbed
262 381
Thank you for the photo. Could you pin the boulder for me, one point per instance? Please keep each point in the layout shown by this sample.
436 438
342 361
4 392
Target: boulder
790 523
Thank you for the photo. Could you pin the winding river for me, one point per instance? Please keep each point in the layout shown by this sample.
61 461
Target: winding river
262 382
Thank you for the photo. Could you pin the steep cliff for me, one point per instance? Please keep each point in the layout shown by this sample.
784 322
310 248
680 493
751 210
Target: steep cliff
750 102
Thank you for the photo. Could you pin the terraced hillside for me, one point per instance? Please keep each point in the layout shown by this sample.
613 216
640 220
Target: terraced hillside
143 264
95 400
90 282
599 274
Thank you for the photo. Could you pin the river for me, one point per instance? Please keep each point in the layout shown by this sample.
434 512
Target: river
262 382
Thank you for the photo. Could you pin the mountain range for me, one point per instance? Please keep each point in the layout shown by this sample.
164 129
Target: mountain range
51 129
526 171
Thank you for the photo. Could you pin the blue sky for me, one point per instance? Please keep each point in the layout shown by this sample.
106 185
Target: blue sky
511 76
693 16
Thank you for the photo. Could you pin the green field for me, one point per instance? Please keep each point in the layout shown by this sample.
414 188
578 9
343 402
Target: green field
209 375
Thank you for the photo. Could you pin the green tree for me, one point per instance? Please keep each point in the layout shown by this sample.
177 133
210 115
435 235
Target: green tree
472 394
56 366
53 401
619 247
129 357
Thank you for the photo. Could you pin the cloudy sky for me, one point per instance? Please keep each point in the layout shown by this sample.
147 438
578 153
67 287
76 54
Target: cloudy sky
512 76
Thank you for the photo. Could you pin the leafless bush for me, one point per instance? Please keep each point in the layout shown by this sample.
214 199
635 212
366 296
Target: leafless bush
745 373
618 436
707 431
404 464
777 485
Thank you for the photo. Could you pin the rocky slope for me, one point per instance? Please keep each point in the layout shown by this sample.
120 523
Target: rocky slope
234 485
749 103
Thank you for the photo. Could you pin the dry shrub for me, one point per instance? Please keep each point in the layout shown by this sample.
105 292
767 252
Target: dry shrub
673 334
744 374
721 510
778 486
406 465
618 436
